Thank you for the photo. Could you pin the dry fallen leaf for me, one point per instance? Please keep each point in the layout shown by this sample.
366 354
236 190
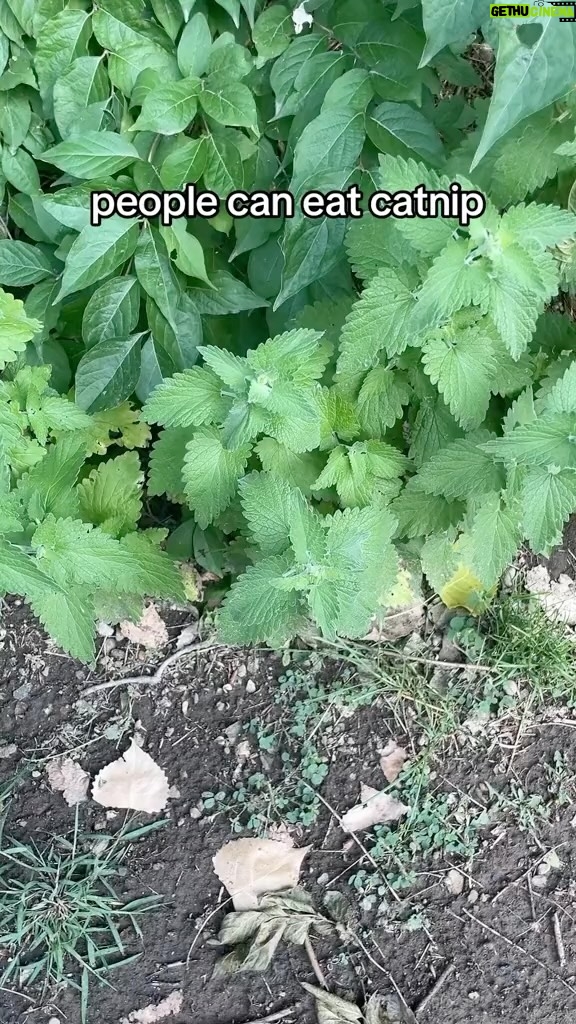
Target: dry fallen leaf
134 781
392 760
152 1013
150 632
249 868
375 809
68 778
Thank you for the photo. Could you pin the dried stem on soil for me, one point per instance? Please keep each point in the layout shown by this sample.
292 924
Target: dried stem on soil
280 1015
559 940
515 945
152 680
423 1005
314 963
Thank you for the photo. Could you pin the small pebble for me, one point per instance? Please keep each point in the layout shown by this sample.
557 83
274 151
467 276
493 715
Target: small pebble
475 996
473 896
250 686
21 692
105 629
8 750
324 878
195 813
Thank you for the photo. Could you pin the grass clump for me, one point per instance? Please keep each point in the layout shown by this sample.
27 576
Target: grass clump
61 917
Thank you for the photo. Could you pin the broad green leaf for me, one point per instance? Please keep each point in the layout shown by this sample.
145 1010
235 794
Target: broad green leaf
185 164
170 15
194 46
255 609
550 441
461 470
15 115
495 537
92 154
169 109
132 43
391 124
20 170
548 500
97 252
16 328
62 39
379 320
167 461
68 615
22 264
112 311
155 274
189 252
111 495
382 397
85 82
449 21
228 102
535 64
273 32
461 364
223 171
187 399
108 373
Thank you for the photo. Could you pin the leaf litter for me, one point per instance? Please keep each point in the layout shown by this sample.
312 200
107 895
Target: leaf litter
250 868
67 777
392 760
134 781
375 808
154 1012
149 632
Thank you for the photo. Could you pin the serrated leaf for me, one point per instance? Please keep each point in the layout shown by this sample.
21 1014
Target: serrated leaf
460 363
548 500
549 441
187 399
495 536
167 461
255 610
16 328
111 495
379 320
48 487
211 473
461 470
420 514
382 397
269 504
69 617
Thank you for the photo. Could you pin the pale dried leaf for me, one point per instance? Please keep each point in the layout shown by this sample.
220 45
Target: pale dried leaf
134 781
67 777
392 760
557 597
154 1012
375 808
387 1010
331 1009
249 868
149 632
454 882
192 581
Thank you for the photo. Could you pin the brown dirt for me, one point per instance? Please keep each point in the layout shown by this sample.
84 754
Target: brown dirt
184 721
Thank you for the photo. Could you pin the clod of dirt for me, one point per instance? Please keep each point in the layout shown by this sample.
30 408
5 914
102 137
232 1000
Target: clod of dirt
250 868
68 778
454 882
557 597
149 632
134 781
376 808
8 750
155 1012
392 760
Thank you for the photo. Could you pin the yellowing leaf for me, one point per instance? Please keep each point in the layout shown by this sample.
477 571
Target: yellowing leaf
464 590
249 868
134 781
149 632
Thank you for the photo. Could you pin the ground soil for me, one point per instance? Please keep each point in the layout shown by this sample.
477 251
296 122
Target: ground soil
505 958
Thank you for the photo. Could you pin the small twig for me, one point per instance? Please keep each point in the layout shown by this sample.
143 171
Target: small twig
314 963
425 1002
531 896
559 940
152 680
360 844
280 1015
410 1017
515 945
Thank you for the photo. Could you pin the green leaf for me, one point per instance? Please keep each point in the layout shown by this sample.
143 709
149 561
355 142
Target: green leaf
69 617
273 32
379 320
15 116
170 108
185 164
462 470
72 552
22 264
167 461
62 39
449 21
84 83
495 536
111 495
393 123
132 43
269 505
189 252
187 399
155 274
223 170
92 154
420 514
255 610
228 102
548 500
107 373
382 397
20 170
550 441
363 473
530 74
16 328
97 252
211 473
194 46
460 363
48 487
112 311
